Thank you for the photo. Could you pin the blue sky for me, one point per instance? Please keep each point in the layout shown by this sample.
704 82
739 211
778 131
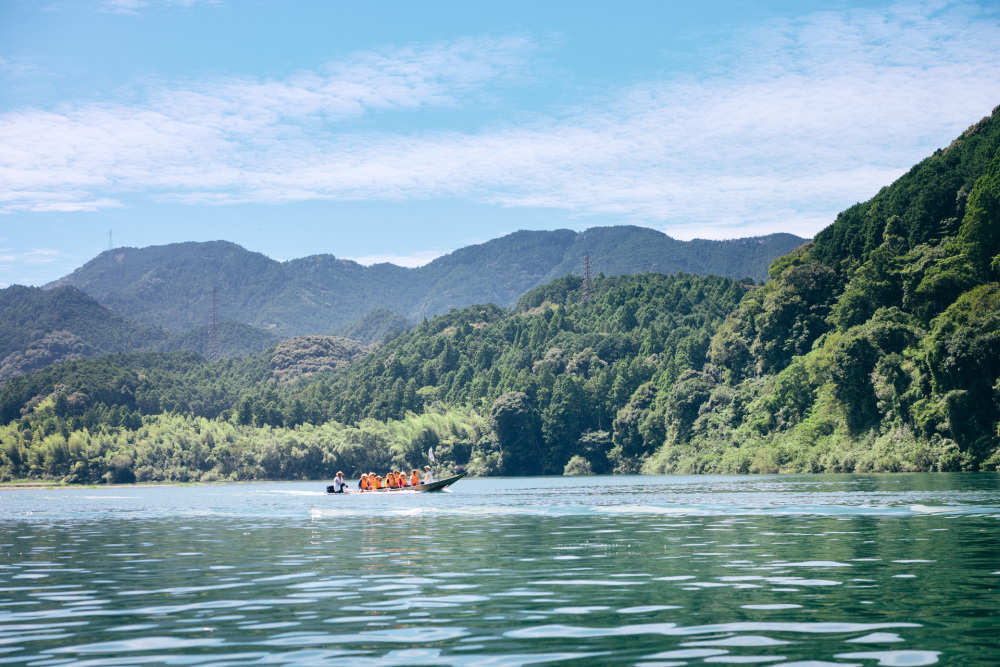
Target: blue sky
398 131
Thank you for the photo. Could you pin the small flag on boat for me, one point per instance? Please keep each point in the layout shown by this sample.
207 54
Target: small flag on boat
430 454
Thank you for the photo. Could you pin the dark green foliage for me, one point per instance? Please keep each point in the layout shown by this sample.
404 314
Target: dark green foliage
979 237
931 192
517 430
776 322
962 357
576 365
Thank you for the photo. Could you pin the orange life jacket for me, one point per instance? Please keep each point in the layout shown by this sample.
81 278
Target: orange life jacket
415 479
363 485
378 483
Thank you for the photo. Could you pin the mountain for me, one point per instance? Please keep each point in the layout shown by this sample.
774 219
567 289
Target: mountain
169 286
45 326
40 327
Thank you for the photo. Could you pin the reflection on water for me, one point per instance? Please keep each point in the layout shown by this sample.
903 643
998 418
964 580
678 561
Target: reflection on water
831 570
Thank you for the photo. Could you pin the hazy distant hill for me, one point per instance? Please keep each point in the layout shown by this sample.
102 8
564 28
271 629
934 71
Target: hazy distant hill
169 286
374 326
41 327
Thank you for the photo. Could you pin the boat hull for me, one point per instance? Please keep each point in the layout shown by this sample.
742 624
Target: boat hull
439 485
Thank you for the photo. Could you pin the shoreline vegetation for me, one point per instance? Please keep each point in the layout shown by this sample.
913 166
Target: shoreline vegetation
873 348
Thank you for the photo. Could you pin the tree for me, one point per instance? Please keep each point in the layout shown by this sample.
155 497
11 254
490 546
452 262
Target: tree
517 431
979 235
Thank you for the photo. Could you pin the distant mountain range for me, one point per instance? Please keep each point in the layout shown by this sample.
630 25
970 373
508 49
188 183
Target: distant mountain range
168 287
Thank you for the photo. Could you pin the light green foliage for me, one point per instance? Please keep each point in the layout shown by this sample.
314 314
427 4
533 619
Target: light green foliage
177 448
578 466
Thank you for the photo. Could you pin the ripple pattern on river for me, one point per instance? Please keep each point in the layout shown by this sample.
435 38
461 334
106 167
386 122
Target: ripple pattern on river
312 583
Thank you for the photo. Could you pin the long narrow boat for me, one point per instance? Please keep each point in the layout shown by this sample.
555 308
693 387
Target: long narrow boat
433 486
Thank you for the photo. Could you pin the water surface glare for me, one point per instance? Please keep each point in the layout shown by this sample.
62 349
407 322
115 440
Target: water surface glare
895 570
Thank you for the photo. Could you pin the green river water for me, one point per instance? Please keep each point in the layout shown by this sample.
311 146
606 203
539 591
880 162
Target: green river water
655 571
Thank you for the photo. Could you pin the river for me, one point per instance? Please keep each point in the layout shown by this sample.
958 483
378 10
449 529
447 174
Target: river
651 571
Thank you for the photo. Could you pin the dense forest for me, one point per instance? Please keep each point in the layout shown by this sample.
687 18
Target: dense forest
876 347
570 365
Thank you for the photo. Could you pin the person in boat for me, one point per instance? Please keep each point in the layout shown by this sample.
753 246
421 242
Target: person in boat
428 475
378 482
390 480
363 484
414 478
339 483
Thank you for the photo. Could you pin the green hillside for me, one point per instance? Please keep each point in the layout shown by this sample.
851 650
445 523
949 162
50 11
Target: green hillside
42 327
570 366
877 347
170 286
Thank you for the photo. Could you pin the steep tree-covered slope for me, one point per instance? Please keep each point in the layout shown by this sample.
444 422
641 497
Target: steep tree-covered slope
877 347
170 286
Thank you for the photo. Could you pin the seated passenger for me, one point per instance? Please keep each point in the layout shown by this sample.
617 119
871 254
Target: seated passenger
378 482
363 483
414 478
428 475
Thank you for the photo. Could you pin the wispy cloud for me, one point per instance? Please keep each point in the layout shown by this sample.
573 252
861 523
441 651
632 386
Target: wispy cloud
136 6
799 119
33 256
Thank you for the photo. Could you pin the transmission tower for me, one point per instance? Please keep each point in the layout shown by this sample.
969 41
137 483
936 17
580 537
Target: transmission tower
213 330
587 283
111 245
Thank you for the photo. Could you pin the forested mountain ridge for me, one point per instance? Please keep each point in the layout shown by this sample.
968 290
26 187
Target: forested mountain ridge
169 286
